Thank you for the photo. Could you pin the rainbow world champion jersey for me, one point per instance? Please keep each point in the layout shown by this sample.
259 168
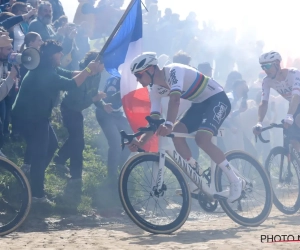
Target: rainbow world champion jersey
183 79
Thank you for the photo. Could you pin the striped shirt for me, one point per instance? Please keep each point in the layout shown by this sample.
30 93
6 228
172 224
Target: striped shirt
185 80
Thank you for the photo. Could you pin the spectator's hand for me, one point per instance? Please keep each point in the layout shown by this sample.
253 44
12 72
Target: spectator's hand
108 108
99 96
96 67
13 72
28 15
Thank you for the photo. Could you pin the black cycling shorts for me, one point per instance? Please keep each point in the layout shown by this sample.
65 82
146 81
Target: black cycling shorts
207 115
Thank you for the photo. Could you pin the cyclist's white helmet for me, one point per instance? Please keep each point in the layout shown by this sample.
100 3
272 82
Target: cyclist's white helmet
143 61
269 57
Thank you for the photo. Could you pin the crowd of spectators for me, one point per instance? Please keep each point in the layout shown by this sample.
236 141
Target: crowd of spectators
67 49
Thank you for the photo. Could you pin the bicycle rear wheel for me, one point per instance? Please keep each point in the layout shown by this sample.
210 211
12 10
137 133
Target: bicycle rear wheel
156 211
15 197
255 203
285 184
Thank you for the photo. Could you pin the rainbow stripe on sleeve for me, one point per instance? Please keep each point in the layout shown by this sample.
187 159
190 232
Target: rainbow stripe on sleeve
196 88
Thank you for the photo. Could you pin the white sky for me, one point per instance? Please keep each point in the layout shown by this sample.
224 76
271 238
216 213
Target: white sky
276 22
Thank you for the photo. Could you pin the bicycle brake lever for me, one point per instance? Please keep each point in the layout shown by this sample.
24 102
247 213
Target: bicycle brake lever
124 136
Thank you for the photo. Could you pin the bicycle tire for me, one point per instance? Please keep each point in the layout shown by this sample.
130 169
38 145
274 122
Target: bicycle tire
133 215
281 150
256 221
26 194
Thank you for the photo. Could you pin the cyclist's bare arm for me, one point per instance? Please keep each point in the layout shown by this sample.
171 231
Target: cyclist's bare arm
262 110
173 106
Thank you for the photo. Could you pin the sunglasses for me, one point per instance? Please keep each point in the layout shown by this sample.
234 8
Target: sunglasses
139 75
266 66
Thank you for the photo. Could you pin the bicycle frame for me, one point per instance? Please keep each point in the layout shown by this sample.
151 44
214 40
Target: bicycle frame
286 145
199 181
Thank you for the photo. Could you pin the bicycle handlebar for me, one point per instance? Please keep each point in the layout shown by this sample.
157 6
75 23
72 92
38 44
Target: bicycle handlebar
153 126
272 125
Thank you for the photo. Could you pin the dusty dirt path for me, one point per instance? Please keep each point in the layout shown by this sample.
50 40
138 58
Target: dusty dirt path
201 232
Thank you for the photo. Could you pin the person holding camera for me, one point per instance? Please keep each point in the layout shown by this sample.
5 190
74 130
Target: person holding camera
33 108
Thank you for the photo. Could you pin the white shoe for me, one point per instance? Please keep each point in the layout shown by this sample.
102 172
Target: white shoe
235 190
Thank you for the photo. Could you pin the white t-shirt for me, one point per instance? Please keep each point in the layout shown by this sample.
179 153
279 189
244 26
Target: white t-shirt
183 79
290 86
19 37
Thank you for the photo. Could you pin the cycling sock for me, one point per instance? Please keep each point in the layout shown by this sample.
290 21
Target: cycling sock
225 166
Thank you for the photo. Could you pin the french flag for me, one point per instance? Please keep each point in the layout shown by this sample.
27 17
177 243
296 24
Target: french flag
123 48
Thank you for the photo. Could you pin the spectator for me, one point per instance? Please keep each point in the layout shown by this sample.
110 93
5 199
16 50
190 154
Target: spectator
231 78
33 107
182 57
57 8
34 3
18 33
70 58
73 103
7 79
42 24
32 40
60 22
8 22
7 6
84 14
205 69
111 119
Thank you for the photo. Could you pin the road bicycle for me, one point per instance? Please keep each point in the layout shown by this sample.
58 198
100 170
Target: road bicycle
283 168
15 196
150 184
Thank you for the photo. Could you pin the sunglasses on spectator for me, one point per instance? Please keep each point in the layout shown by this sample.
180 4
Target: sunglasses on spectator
266 66
139 75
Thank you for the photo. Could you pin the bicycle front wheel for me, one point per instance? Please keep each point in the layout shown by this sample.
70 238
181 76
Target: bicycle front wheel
159 211
255 203
15 197
284 180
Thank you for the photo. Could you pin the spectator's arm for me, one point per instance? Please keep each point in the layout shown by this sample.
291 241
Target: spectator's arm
5 87
66 73
67 45
11 21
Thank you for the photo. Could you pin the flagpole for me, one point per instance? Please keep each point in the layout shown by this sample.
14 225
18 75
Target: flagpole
115 29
